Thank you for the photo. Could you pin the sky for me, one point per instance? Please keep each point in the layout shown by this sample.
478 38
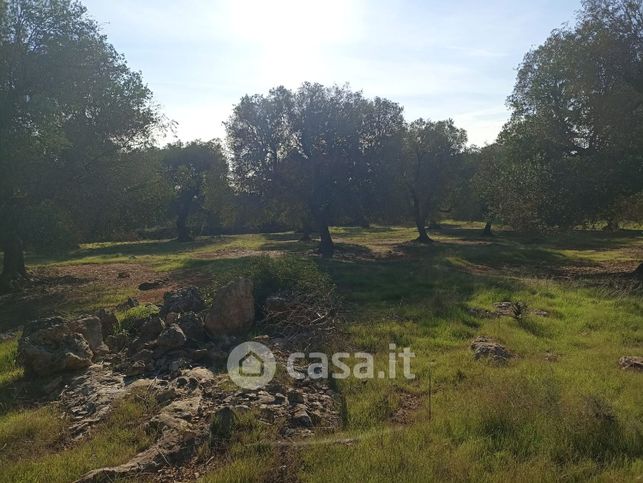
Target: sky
438 59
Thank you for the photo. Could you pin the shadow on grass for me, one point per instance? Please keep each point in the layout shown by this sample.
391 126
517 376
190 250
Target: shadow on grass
131 249
579 239
430 281
501 252
564 240
359 231
283 237
19 392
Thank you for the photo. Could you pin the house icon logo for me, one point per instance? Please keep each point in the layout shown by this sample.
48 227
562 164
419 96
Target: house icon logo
251 365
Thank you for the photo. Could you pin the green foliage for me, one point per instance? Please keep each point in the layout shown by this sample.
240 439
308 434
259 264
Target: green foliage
432 153
573 148
195 170
314 153
48 228
61 128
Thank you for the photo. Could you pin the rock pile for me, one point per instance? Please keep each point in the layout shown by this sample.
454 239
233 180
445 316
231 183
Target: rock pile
152 345
178 357
54 345
197 408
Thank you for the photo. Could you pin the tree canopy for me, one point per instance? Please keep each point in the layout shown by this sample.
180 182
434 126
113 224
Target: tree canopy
573 147
79 157
430 156
68 104
194 170
314 149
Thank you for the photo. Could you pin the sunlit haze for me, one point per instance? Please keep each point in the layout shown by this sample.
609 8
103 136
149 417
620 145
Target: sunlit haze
438 59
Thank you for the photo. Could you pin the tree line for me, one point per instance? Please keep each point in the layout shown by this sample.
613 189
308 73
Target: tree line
79 156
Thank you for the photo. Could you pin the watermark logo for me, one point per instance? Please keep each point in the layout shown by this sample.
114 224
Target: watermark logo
251 365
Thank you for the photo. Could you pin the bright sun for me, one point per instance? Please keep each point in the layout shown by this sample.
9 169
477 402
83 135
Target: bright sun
294 36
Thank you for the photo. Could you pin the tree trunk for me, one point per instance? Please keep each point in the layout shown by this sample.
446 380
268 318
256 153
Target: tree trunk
305 231
13 268
320 216
362 221
423 235
612 225
638 273
487 229
182 230
326 245
420 222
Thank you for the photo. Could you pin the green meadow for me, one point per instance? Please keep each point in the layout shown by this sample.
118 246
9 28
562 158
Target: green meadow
561 409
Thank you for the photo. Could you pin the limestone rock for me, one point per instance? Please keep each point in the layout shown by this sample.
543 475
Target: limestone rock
233 308
134 369
108 322
302 418
92 330
186 299
151 285
172 337
151 328
192 326
117 342
176 443
49 346
486 347
295 397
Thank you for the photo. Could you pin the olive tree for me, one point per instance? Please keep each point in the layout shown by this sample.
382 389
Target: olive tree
573 148
429 161
315 149
68 103
194 170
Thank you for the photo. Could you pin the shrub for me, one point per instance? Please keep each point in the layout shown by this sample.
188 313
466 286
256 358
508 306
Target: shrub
288 274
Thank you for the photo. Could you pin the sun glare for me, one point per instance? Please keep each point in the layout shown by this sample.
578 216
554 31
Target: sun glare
294 38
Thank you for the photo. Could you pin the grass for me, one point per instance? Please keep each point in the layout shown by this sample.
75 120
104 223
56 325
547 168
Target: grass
35 446
561 410
249 457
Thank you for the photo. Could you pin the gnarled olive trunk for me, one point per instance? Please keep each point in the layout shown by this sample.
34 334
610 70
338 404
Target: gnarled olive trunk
320 215
183 233
638 273
487 229
305 231
423 236
326 245
182 230
13 267
420 221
